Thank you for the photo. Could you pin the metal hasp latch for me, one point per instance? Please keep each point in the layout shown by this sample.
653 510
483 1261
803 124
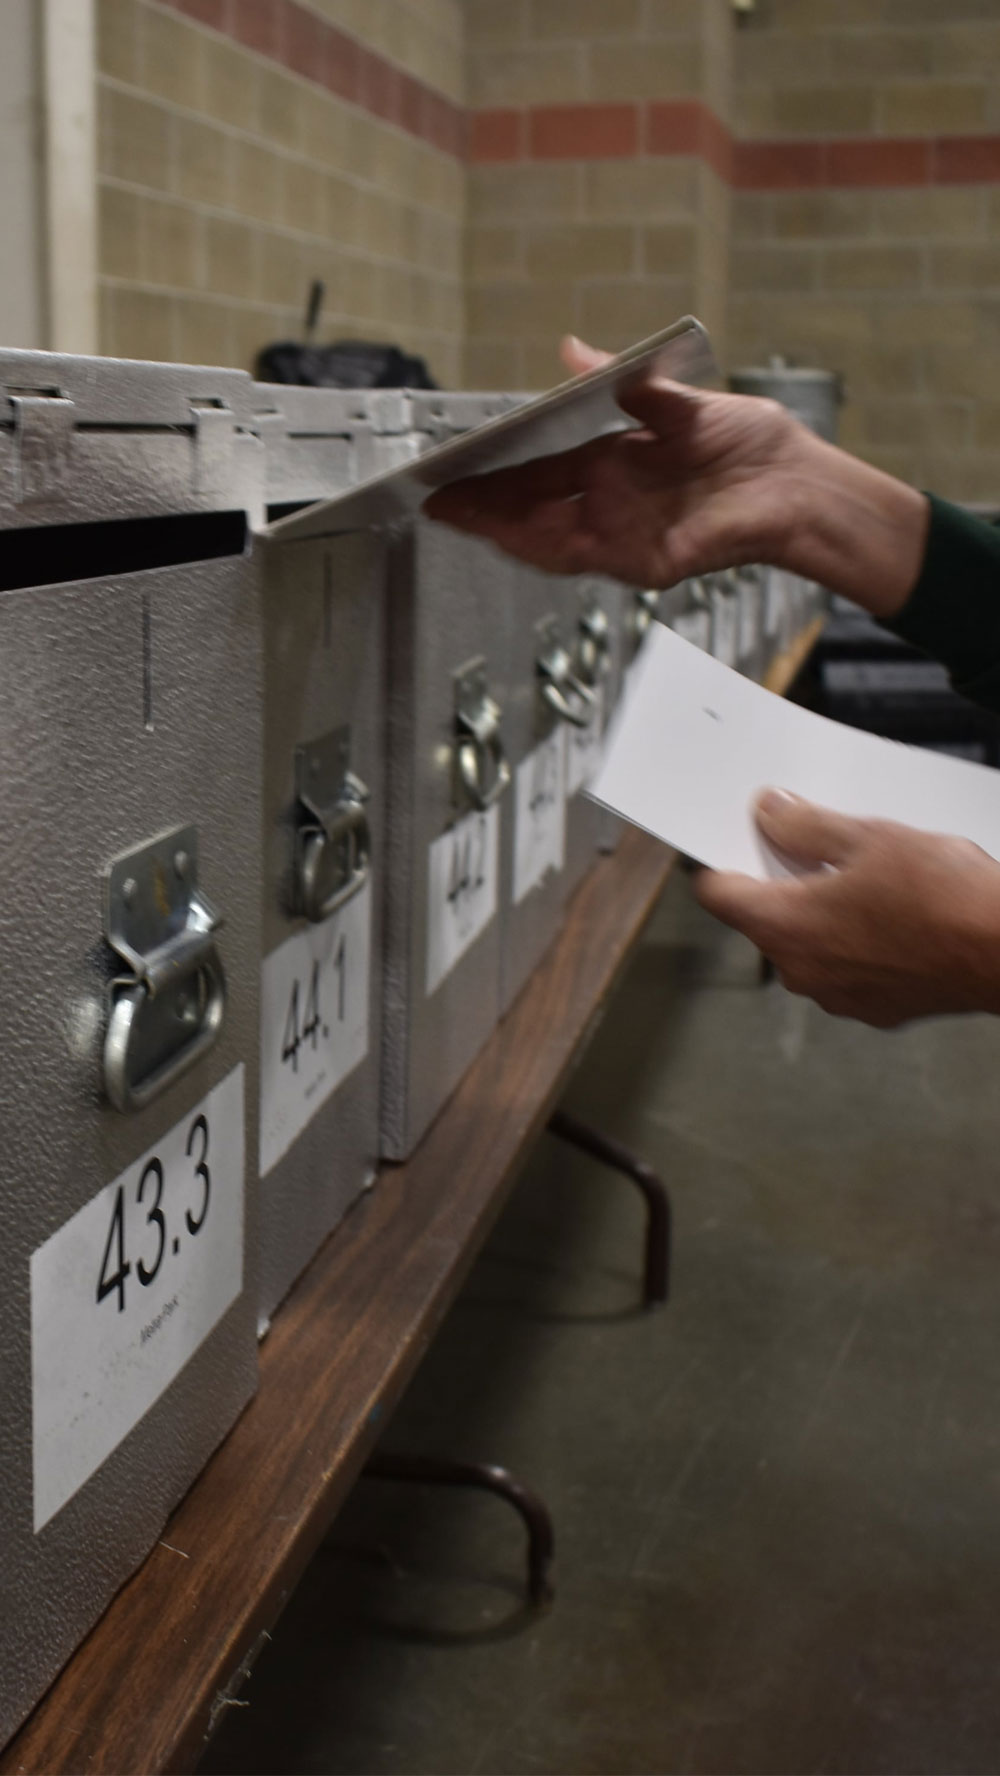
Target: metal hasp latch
593 642
645 607
333 844
482 772
562 690
169 1011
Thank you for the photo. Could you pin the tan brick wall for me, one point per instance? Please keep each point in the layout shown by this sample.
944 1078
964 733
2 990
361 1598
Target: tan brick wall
611 249
897 288
227 184
426 37
879 67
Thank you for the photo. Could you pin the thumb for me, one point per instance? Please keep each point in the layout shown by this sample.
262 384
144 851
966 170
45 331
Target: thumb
664 407
803 832
580 357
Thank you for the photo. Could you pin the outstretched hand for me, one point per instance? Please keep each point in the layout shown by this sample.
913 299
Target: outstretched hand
698 487
890 924
707 481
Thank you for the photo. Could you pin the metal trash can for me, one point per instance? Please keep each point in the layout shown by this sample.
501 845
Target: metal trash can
129 965
814 396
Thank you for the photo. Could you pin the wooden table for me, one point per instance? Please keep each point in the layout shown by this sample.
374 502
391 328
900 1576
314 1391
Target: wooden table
147 1684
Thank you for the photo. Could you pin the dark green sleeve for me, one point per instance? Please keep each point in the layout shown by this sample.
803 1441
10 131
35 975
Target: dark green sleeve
953 612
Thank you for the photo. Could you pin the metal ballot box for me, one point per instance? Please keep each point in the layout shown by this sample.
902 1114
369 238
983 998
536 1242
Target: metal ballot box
323 813
596 615
448 789
447 809
129 962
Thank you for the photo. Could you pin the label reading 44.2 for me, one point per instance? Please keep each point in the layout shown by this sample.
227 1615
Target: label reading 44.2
585 747
463 868
314 993
124 1293
539 814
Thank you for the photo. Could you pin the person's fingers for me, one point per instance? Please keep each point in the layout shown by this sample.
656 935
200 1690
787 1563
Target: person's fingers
511 493
579 357
664 406
548 533
755 908
804 832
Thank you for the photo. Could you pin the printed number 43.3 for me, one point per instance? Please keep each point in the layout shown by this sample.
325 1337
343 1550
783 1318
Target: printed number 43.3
115 1266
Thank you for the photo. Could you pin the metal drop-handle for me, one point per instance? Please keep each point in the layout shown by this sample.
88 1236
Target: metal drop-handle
482 763
205 1010
570 699
335 859
168 1011
593 651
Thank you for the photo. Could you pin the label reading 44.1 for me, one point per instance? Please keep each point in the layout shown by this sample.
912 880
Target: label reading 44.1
539 814
314 998
124 1293
463 868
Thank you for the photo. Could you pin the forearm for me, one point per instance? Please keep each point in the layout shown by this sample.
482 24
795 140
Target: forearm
853 528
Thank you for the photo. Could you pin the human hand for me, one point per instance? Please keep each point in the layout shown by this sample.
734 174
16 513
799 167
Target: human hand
900 924
709 481
698 487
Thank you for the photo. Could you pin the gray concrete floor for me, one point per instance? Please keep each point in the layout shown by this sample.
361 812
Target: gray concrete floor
777 1501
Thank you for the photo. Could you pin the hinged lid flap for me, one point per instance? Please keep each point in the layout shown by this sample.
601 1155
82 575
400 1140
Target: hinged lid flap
569 415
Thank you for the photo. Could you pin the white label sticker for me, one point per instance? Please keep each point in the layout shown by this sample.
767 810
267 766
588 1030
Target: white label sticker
695 626
314 999
463 874
751 617
539 814
125 1292
776 600
584 747
725 627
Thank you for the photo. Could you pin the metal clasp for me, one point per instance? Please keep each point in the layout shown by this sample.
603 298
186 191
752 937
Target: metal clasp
645 608
593 644
333 842
482 772
562 691
169 1011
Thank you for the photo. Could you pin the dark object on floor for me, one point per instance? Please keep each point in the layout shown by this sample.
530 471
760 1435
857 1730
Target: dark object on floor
863 676
659 1221
423 1470
350 363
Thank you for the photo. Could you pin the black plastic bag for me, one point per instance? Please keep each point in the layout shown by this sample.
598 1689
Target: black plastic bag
348 364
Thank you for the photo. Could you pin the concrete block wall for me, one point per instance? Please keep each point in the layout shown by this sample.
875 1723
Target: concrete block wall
598 186
476 177
867 223
249 146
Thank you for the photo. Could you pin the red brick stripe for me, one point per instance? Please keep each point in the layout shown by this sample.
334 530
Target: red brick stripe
689 127
298 39
291 34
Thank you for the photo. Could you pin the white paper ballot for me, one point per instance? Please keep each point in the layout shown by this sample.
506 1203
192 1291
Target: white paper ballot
694 744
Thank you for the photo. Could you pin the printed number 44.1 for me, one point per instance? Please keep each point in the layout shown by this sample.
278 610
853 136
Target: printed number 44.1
116 1268
313 1026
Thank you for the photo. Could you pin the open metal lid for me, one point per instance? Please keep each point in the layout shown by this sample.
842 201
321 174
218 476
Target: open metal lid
569 415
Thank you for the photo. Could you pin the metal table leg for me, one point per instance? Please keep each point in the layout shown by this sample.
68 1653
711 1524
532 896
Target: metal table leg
431 1471
659 1219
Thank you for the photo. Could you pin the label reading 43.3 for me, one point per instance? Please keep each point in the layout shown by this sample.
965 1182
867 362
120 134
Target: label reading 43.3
124 1293
313 1021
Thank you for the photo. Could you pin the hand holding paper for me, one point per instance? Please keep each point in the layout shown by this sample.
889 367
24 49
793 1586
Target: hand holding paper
874 919
901 924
